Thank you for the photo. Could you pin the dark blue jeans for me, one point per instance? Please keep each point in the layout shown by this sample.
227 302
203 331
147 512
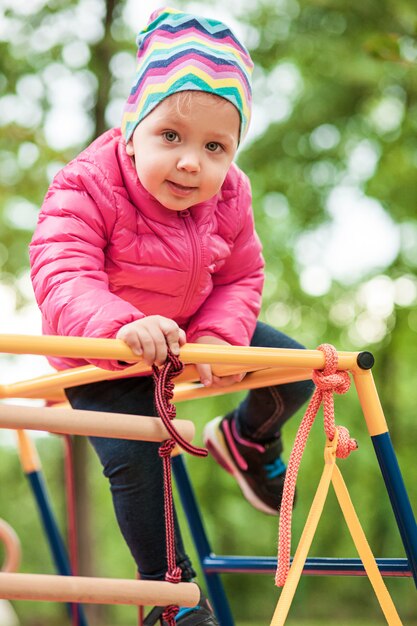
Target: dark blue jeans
134 468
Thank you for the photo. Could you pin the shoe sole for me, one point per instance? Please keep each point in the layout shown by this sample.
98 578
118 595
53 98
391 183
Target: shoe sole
216 445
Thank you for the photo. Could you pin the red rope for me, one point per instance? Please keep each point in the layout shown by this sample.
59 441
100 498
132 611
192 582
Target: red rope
72 530
327 381
141 608
164 391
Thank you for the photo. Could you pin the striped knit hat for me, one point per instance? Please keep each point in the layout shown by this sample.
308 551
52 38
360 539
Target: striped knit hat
183 52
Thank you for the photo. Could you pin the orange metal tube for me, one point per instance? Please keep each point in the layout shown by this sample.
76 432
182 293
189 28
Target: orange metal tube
295 364
99 424
370 402
254 380
55 382
262 357
42 386
29 458
12 547
92 348
51 386
73 347
96 590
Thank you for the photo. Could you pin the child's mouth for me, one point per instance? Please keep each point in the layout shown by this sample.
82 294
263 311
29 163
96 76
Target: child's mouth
180 190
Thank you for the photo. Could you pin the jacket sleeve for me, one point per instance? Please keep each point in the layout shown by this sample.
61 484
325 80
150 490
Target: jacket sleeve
231 310
68 260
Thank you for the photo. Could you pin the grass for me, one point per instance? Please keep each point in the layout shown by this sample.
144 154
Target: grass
331 621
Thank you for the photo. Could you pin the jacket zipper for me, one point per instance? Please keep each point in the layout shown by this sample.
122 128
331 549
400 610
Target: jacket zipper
195 256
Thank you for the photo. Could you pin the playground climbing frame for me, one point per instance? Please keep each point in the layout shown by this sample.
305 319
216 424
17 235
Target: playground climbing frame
266 366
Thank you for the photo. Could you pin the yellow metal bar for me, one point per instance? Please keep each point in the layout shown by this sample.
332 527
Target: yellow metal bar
91 348
42 386
370 402
364 550
71 347
331 473
29 458
254 380
262 357
293 576
55 382
50 387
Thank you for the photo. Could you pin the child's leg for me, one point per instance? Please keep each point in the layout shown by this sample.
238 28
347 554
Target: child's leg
247 441
264 411
134 470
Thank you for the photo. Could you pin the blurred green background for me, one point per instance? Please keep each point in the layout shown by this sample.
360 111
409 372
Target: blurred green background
332 156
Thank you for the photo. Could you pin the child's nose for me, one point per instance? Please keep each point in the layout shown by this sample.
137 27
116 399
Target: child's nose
189 161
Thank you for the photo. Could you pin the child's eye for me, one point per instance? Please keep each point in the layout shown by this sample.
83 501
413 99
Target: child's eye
170 135
213 146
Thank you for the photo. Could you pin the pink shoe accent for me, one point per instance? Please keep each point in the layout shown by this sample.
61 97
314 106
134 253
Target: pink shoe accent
245 442
218 458
236 455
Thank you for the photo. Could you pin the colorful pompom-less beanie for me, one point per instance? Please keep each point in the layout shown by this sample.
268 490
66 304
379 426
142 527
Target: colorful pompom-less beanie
184 52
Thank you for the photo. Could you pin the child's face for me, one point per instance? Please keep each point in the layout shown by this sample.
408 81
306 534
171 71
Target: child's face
184 148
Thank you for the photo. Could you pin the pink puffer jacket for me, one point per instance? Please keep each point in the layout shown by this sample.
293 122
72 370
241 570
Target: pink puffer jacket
106 253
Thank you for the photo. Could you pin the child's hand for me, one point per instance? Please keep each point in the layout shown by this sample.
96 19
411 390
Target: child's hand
150 337
207 377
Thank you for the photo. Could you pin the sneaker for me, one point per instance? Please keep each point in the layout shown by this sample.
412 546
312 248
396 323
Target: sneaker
200 615
258 468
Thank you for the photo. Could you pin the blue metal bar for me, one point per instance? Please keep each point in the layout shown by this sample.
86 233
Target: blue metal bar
399 497
55 541
315 566
189 503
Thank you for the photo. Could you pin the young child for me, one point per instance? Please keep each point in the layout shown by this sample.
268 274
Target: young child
148 236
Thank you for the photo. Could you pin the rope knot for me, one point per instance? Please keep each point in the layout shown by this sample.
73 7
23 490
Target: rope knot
330 378
345 444
177 365
174 576
168 616
166 448
337 382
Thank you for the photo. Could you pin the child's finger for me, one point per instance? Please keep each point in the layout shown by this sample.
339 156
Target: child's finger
131 338
161 348
226 381
205 374
171 330
148 346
